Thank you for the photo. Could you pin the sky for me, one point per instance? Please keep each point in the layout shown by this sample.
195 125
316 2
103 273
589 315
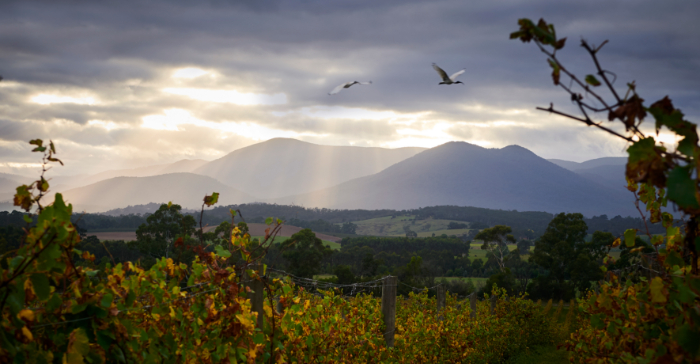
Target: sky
125 84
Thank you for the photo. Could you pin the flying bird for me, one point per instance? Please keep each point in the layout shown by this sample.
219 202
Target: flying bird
448 80
347 85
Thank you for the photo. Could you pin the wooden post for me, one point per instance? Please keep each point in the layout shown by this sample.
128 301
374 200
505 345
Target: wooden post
257 296
278 305
472 303
389 308
493 303
440 300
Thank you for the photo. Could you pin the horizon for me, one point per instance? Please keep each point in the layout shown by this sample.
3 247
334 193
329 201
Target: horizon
120 87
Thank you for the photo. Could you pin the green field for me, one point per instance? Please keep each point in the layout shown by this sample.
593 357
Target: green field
388 226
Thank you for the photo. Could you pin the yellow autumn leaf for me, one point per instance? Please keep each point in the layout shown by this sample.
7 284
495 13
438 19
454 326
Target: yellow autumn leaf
27 333
172 312
26 314
248 323
656 288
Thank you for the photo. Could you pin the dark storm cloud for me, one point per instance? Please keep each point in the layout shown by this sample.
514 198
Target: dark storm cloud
122 53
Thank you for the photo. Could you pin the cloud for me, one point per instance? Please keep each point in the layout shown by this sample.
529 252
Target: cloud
124 84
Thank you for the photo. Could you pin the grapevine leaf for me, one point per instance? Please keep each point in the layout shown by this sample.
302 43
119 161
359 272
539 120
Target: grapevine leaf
688 338
268 221
556 71
630 235
673 258
41 285
681 188
220 251
656 287
211 199
78 347
591 80
107 300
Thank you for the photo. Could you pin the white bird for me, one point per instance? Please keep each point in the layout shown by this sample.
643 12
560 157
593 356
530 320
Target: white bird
347 85
448 80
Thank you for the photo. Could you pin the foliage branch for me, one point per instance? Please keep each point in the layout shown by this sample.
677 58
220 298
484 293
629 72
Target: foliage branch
650 314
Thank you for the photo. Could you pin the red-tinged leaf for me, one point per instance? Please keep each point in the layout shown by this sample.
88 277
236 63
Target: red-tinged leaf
211 199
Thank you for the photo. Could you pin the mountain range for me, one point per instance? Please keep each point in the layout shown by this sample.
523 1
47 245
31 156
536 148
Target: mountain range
288 171
463 174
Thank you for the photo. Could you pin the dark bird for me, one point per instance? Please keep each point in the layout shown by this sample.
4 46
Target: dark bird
347 85
448 80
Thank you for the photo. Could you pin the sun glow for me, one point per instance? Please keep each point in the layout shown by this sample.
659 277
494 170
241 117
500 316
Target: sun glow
228 96
107 125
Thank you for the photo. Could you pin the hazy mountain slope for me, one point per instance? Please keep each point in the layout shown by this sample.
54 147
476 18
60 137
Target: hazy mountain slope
282 167
593 163
612 176
63 183
184 165
185 189
570 165
462 174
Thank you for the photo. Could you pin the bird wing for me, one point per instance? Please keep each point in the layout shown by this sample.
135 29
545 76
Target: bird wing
456 74
440 72
338 88
365 82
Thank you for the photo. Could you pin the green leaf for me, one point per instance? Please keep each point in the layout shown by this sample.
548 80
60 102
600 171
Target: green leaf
107 300
630 235
220 251
597 322
16 261
674 258
41 285
268 221
688 338
259 338
55 302
78 308
591 80
130 298
27 219
681 188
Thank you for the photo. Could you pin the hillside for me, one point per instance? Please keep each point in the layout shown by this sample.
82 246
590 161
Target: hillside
185 189
282 167
609 171
463 174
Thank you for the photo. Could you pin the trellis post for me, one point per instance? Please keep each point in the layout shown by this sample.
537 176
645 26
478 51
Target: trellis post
389 308
472 303
257 296
440 300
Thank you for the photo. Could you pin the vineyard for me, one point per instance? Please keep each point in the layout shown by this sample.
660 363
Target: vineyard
57 311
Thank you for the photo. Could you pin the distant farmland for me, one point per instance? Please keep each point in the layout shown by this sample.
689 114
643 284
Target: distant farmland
255 230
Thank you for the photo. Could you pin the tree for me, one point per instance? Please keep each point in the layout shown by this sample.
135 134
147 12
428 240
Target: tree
304 252
564 253
496 240
348 228
524 246
156 237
